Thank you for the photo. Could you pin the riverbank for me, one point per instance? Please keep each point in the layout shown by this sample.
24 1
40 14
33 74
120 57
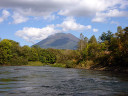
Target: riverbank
79 66
38 63
100 68
114 69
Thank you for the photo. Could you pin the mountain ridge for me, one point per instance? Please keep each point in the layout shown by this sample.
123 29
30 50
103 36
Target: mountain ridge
59 41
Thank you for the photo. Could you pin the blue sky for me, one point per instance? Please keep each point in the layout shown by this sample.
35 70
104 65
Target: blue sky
29 21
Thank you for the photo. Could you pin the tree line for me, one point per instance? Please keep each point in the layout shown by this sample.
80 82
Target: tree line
110 51
11 53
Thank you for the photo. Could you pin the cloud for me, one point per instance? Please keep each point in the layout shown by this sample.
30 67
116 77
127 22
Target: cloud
95 9
99 19
113 13
115 22
49 17
31 34
18 18
102 16
5 15
70 24
88 27
95 30
124 4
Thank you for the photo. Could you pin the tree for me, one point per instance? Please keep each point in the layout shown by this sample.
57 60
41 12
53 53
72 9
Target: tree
46 56
106 36
33 56
26 51
36 46
92 40
81 42
119 48
5 51
119 28
85 42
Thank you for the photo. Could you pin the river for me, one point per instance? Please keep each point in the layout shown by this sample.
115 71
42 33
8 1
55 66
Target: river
53 81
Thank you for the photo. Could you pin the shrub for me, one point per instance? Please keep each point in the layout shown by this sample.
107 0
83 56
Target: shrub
70 64
18 61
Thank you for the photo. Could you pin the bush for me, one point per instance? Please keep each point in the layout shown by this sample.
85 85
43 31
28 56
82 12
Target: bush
89 64
58 65
18 61
70 64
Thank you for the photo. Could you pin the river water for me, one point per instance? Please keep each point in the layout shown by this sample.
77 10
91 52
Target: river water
53 81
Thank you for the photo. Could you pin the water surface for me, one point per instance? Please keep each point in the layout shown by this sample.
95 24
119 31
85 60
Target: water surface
53 81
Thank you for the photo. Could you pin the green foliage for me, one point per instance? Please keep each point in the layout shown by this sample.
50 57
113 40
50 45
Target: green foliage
58 65
70 64
26 51
33 55
119 48
92 40
17 61
11 53
86 64
93 50
112 52
35 63
45 56
5 51
106 36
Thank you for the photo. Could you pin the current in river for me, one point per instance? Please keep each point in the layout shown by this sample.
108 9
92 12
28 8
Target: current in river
53 81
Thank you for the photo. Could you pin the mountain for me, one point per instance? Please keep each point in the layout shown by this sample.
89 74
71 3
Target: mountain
59 41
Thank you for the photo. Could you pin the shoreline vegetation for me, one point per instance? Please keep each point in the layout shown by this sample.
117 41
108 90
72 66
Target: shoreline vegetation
109 53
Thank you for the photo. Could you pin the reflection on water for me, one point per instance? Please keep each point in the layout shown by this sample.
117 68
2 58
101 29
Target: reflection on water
51 81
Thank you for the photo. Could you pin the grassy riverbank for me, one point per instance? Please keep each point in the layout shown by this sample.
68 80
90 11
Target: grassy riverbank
35 63
84 65
38 63
88 65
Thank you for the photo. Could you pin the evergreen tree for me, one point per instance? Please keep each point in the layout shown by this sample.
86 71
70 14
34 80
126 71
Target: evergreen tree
106 36
92 40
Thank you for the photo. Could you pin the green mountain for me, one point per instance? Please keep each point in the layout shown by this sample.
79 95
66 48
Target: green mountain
59 41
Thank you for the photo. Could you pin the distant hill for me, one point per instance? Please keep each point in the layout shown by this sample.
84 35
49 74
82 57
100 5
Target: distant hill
59 41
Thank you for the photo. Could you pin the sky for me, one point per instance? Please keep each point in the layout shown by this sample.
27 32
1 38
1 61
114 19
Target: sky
30 21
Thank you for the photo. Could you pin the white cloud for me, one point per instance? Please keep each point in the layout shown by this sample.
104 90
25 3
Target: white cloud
70 24
31 34
79 8
124 4
83 8
49 17
102 16
113 13
115 22
95 30
88 27
18 18
98 19
5 15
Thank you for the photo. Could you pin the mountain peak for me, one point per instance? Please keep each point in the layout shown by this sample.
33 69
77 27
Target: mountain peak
59 41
